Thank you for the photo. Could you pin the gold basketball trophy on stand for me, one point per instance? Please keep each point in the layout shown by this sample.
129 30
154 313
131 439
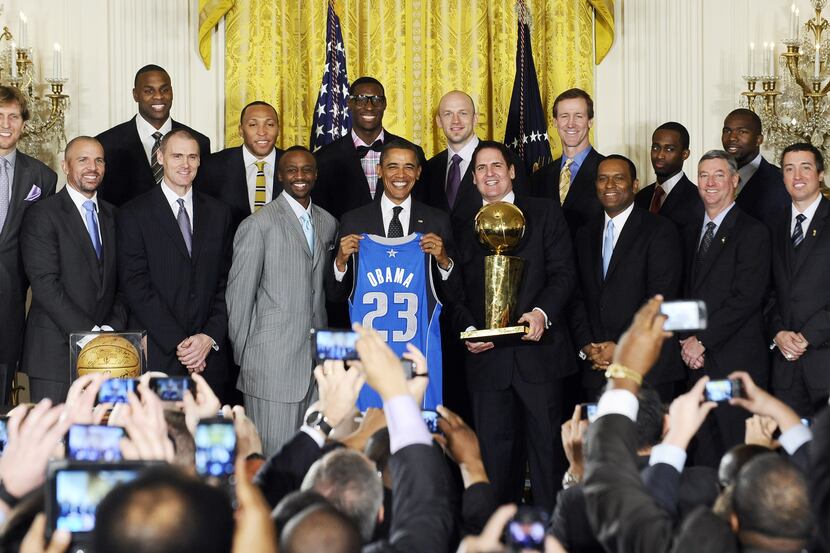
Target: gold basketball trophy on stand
499 227
115 354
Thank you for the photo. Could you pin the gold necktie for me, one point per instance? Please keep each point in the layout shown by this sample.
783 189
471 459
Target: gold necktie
259 194
565 180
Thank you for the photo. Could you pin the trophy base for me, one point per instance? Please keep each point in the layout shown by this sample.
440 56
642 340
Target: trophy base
507 336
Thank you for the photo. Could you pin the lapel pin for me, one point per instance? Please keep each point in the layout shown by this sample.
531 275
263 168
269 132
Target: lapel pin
814 233
421 221
723 240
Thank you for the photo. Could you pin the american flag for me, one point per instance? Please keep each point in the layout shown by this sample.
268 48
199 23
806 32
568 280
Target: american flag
331 113
526 132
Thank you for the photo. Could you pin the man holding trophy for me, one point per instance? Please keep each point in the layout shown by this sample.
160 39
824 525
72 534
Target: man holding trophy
511 320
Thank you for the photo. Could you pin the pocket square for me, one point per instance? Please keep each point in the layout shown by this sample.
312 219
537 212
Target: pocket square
33 195
330 246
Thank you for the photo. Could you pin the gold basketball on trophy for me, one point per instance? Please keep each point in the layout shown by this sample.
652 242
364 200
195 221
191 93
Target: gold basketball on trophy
112 355
500 226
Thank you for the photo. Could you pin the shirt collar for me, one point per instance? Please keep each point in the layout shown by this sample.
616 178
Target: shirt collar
386 205
173 198
357 141
809 212
466 152
669 184
748 171
145 129
510 198
579 157
620 218
719 217
249 159
296 207
78 199
12 157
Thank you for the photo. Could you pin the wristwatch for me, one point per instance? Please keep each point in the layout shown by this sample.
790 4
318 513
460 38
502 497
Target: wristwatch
317 420
615 370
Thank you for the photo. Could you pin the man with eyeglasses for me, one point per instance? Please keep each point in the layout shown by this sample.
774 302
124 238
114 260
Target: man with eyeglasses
347 175
728 267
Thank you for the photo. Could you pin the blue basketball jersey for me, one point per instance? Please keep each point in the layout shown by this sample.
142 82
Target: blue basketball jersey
394 294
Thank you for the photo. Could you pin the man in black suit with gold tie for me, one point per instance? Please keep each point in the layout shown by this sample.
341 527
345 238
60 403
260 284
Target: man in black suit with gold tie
68 247
23 182
174 253
245 177
799 323
131 147
347 168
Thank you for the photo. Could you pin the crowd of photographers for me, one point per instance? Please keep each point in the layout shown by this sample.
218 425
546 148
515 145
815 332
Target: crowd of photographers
380 481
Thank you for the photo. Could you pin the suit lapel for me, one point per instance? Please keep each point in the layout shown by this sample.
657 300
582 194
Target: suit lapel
76 228
595 239
811 235
627 237
672 198
294 223
21 185
719 242
202 221
417 220
106 222
135 146
240 187
167 221
319 245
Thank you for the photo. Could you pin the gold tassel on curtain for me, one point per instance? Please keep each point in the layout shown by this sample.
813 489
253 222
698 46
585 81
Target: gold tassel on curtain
419 49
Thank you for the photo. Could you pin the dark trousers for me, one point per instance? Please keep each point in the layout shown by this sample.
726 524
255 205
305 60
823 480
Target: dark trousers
54 390
7 371
803 399
517 426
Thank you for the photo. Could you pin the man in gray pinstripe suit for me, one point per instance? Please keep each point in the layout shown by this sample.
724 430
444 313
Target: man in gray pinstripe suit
275 296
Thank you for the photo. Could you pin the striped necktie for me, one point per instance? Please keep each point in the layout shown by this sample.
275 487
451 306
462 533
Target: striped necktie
158 170
565 180
259 194
798 231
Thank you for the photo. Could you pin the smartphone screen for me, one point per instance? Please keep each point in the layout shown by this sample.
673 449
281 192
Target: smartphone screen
215 448
4 433
684 315
408 367
78 491
90 442
431 419
335 344
171 388
115 390
589 411
526 530
718 390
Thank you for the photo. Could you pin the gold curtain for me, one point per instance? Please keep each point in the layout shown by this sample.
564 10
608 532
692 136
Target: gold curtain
419 49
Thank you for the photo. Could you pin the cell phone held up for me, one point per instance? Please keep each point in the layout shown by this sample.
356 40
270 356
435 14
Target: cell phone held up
334 344
721 391
684 315
526 530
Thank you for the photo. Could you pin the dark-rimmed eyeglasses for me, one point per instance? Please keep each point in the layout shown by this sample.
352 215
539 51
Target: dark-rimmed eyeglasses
363 99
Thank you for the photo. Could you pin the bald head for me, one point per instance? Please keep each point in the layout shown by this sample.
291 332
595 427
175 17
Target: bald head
83 164
320 529
457 118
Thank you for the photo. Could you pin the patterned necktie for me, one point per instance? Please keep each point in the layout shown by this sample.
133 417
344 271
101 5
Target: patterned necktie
158 170
565 180
395 226
92 226
259 193
706 241
798 232
453 179
607 247
657 199
184 225
308 229
4 191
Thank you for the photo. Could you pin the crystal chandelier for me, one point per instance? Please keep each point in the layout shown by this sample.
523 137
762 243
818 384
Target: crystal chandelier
793 106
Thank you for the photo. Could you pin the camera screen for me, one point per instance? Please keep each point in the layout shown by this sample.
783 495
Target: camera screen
4 433
718 390
336 344
94 443
171 388
78 493
526 534
115 390
591 409
215 449
431 419
682 315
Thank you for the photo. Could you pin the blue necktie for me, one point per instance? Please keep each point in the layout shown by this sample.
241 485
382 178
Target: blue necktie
607 247
92 226
308 229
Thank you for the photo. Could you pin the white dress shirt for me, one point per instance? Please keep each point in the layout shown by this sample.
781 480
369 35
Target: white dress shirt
808 213
78 199
173 201
466 153
668 185
717 220
748 171
250 174
619 222
296 207
146 131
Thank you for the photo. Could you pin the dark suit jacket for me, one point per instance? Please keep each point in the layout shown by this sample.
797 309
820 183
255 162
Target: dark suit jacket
682 206
801 299
168 293
223 176
764 195
28 172
581 203
284 471
468 199
128 172
819 477
341 183
71 289
646 261
732 280
547 281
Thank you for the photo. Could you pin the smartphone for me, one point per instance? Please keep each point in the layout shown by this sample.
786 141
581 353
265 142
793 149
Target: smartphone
723 390
808 422
408 367
588 411
215 449
431 419
526 530
115 390
74 491
334 344
94 442
171 388
4 433
684 315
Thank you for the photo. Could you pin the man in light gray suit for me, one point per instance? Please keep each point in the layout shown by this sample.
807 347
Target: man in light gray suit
275 296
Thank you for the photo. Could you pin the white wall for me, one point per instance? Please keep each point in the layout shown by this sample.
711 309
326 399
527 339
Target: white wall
680 60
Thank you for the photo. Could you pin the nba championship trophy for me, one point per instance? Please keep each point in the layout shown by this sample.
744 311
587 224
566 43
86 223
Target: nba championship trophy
499 226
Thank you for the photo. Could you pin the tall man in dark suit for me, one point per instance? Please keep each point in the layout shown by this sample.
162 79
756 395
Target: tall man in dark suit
23 181
673 195
131 147
233 175
570 178
727 266
174 252
761 193
516 390
68 247
347 168
799 321
624 256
